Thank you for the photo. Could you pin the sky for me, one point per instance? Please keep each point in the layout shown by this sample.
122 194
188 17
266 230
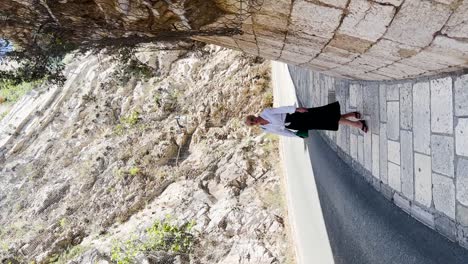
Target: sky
5 46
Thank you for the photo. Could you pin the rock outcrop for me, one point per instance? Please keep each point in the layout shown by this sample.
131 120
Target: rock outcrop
100 160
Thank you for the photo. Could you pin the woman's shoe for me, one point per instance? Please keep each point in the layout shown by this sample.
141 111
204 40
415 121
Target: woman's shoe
364 127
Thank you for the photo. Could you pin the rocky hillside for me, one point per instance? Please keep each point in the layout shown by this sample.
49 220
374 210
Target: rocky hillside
114 167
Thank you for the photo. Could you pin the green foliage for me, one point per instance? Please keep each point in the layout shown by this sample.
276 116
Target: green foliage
69 254
129 66
2 115
127 122
12 92
161 236
134 171
41 60
63 223
131 119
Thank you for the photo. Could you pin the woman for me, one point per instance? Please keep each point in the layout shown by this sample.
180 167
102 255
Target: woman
282 120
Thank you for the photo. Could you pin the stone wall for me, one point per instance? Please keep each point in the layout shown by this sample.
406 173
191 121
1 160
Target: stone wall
415 152
359 39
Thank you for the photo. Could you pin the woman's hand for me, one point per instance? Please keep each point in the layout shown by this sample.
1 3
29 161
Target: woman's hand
301 109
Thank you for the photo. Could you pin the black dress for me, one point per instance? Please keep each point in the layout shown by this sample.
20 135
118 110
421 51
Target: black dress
322 118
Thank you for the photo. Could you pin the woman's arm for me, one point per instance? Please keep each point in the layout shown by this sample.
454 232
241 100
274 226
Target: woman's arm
301 110
282 109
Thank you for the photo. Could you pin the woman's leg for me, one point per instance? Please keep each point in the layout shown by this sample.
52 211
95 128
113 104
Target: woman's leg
356 124
356 115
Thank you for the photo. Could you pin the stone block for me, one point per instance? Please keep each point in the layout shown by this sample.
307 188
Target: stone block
461 136
400 70
348 72
421 118
349 46
368 151
389 74
366 20
304 44
371 106
337 55
391 2
441 106
345 139
247 45
401 202
394 151
393 92
432 60
393 120
383 153
359 100
383 102
407 171
462 214
423 179
360 63
457 26
318 20
462 181
461 95
369 76
337 3
446 227
443 157
394 177
375 155
444 194
273 42
273 21
275 6
269 53
295 57
390 51
361 149
406 106
426 61
422 215
453 48
322 64
353 94
353 146
417 22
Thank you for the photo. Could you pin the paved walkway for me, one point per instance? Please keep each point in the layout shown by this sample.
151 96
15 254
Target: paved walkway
416 152
364 227
309 234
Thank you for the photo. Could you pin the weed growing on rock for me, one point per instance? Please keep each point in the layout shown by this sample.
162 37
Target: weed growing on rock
127 122
161 236
70 254
134 171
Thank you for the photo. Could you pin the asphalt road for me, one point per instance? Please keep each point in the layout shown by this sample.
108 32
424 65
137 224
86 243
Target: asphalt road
363 227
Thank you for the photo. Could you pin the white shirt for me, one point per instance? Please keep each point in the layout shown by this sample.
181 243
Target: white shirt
276 117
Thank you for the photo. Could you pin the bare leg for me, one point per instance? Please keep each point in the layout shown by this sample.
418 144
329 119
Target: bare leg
356 115
356 124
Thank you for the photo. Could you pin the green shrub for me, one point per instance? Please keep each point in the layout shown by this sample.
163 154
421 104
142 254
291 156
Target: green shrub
161 236
13 92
